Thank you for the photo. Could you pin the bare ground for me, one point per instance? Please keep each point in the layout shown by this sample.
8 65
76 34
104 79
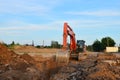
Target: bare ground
40 64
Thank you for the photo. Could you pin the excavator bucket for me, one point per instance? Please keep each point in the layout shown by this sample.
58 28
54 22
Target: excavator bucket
62 57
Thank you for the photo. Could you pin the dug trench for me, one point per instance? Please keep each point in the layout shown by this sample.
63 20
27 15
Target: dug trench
36 67
25 67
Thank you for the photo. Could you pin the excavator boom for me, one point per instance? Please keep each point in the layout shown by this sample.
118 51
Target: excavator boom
67 31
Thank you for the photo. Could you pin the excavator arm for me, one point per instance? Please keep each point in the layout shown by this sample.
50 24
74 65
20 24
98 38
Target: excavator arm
67 31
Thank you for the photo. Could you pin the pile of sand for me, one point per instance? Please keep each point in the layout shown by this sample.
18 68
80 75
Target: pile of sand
17 67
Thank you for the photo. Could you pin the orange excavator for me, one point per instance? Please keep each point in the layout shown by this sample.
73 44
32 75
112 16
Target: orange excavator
67 30
75 47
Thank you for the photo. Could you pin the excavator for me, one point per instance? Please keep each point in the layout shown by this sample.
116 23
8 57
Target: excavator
71 52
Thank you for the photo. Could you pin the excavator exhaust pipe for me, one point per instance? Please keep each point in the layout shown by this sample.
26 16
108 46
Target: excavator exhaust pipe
62 57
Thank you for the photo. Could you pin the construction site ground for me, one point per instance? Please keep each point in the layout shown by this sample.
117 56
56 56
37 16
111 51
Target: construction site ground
30 63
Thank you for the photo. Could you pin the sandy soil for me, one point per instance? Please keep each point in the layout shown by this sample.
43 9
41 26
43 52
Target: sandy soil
29 63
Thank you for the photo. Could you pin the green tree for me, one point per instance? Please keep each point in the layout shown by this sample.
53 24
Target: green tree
107 41
97 46
13 43
89 48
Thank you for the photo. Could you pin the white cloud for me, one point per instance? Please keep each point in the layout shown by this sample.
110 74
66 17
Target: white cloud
55 25
29 27
27 7
15 25
19 28
89 23
96 13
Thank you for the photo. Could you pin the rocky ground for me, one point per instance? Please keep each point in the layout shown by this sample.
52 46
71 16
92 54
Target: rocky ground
100 67
25 67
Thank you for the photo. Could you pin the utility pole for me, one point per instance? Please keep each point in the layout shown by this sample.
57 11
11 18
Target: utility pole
43 43
32 43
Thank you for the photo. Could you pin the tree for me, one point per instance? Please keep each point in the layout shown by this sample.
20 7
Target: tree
107 41
13 43
97 46
101 45
89 48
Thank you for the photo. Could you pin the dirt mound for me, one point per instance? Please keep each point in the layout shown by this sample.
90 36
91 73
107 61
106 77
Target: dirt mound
90 69
106 56
16 67
28 58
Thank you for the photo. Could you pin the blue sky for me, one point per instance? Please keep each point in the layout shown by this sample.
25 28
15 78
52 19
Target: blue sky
25 20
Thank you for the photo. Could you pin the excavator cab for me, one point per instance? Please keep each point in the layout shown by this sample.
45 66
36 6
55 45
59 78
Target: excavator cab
80 46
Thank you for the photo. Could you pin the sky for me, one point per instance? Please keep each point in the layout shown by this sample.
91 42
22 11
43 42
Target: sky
42 20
